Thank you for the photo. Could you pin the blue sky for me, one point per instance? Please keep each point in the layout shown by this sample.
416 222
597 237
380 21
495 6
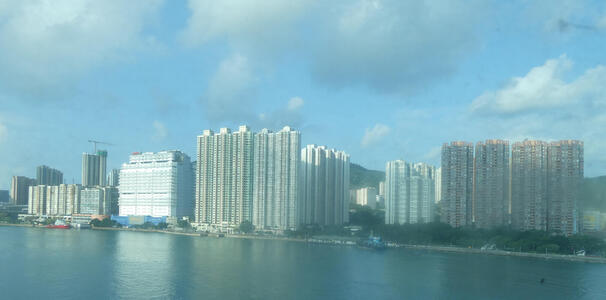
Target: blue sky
381 80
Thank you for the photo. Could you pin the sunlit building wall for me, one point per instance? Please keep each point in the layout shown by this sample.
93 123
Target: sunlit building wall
99 201
156 184
276 179
529 185
409 192
565 174
324 186
367 197
457 184
491 184
224 178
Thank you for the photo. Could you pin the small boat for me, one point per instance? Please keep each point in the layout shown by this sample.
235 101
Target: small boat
373 242
59 224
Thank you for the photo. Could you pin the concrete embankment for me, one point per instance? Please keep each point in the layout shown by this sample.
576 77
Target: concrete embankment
16 225
507 253
146 230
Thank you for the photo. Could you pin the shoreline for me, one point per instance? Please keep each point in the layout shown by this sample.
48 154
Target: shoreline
434 248
551 256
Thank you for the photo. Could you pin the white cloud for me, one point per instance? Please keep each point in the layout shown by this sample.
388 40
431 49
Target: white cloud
3 132
375 134
289 115
547 104
340 38
160 131
601 23
545 87
230 91
44 43
264 22
295 103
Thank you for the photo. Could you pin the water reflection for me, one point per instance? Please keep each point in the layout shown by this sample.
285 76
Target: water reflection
143 265
40 263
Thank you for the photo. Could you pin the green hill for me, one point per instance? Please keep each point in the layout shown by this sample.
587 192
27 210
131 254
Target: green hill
360 177
593 194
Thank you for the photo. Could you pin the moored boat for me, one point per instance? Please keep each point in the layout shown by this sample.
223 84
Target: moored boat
59 224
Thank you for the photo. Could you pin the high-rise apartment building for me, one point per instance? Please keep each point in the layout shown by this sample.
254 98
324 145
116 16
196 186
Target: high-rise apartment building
367 197
63 200
324 190
54 200
565 173
409 192
381 195
37 201
438 185
457 183
276 179
94 168
46 175
224 179
99 201
113 179
156 184
491 184
529 185
20 189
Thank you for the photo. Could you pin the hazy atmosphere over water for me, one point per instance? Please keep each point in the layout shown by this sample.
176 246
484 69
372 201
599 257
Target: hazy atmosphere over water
381 80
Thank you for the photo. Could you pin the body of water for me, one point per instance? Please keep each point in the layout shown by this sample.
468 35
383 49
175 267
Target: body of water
38 263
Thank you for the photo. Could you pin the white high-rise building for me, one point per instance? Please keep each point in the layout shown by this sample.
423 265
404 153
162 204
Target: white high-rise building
367 197
54 200
224 179
438 185
37 201
324 186
409 192
276 179
156 184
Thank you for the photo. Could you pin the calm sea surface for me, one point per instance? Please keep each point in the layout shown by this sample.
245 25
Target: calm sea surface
38 263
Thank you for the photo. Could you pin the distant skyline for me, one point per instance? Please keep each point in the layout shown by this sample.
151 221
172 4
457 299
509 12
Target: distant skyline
381 80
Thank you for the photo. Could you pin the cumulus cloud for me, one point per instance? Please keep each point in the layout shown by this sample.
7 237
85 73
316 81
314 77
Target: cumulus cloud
295 103
230 92
44 43
387 45
160 131
394 45
289 115
261 22
375 134
543 104
544 87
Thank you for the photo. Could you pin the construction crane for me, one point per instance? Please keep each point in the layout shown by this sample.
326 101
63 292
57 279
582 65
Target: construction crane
98 142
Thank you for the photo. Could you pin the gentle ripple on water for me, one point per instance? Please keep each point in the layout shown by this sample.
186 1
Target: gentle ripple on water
40 263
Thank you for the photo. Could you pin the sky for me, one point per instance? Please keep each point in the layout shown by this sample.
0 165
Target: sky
379 79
